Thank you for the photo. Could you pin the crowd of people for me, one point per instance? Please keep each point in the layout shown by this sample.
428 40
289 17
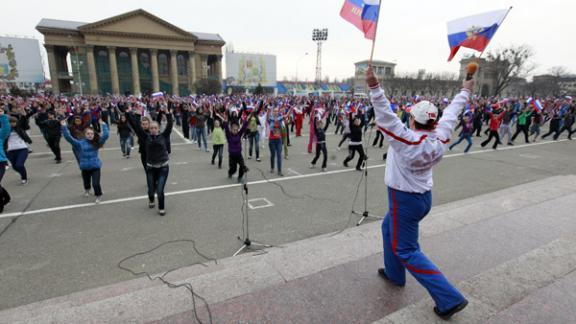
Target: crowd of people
86 123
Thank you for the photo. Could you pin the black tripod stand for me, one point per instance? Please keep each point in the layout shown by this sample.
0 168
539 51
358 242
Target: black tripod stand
248 244
365 214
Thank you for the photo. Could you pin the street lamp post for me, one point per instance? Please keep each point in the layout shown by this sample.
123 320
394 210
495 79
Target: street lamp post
319 36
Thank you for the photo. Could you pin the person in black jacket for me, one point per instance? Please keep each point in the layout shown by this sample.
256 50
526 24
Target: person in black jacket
143 125
320 132
355 143
125 134
53 135
155 144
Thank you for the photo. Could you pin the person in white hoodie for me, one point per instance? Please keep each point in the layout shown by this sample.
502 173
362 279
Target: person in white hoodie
412 154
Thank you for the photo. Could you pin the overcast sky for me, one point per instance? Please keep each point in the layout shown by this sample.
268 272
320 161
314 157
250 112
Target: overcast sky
411 33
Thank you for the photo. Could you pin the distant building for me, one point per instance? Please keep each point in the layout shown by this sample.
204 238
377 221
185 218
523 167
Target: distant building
568 85
20 64
486 79
382 69
313 88
134 52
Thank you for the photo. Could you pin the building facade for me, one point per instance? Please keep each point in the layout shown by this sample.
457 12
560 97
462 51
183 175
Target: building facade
135 52
382 69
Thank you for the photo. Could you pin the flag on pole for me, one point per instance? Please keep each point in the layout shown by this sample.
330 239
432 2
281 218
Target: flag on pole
474 32
363 14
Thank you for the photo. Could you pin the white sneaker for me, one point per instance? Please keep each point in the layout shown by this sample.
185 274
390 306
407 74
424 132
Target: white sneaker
312 166
323 169
24 182
98 200
162 212
87 193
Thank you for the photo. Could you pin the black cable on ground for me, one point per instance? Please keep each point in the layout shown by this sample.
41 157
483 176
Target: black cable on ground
169 284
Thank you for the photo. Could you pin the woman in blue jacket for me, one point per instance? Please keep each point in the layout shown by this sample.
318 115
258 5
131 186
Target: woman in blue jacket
4 133
87 149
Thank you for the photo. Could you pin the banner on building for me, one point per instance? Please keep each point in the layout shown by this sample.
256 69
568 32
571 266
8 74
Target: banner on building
20 60
249 70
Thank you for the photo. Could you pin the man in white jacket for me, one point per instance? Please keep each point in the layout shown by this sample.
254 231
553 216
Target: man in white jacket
412 154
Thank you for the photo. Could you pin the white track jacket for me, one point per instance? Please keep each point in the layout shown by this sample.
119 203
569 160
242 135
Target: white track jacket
413 153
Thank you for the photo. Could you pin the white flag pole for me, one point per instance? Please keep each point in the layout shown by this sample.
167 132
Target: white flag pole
375 33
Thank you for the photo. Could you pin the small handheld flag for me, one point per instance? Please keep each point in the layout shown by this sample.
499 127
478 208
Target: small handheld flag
474 32
157 95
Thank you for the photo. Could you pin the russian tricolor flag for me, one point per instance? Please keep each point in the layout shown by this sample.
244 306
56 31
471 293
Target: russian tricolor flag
474 32
535 103
363 14
157 95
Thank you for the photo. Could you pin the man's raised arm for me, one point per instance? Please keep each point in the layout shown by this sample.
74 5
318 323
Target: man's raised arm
386 120
450 115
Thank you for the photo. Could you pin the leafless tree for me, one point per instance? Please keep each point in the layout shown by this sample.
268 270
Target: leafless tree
509 63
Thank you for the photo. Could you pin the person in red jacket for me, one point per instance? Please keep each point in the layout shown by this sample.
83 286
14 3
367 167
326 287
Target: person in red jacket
495 121
298 120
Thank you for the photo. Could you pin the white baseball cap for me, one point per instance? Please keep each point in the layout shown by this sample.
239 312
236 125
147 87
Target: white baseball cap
424 111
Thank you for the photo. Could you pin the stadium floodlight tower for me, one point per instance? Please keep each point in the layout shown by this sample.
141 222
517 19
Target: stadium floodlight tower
319 36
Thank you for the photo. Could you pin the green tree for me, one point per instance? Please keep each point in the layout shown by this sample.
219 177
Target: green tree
259 90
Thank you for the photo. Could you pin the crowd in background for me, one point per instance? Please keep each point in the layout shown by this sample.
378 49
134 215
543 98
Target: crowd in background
85 121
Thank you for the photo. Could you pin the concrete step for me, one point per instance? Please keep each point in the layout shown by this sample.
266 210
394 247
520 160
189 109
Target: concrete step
140 301
494 295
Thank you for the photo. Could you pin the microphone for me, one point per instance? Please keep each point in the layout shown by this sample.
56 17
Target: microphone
471 70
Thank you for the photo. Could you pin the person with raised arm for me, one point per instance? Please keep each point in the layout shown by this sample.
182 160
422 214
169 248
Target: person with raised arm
88 160
412 154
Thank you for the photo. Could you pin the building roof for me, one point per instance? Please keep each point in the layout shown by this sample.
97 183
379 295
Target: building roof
375 62
60 24
75 26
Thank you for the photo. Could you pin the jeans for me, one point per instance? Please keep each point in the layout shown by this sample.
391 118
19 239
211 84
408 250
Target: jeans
235 160
193 134
94 176
17 159
126 145
321 147
379 136
506 130
275 146
493 134
201 135
3 165
54 144
402 251
352 149
344 138
521 129
218 150
254 140
468 138
156 179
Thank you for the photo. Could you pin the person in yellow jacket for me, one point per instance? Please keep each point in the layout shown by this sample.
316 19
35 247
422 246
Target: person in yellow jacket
218 141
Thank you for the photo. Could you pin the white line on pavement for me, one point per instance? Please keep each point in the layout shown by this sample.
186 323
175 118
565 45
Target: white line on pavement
220 187
187 141
102 149
293 172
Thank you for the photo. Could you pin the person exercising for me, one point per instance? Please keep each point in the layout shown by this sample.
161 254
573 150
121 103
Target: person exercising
412 154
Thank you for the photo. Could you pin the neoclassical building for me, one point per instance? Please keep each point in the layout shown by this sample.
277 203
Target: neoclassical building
135 52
